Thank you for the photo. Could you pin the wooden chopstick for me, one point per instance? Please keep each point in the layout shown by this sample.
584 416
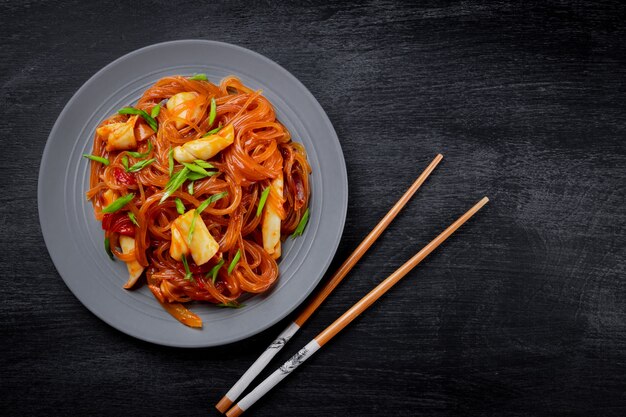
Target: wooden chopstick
245 380
347 317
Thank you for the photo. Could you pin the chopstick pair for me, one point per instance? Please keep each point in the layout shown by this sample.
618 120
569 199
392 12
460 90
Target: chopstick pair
345 319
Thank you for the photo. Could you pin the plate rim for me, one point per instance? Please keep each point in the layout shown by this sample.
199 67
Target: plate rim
284 72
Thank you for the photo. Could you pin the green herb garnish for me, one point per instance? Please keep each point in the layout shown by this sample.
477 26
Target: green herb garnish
132 218
139 155
174 183
141 165
230 304
234 262
125 162
213 272
188 274
199 77
149 119
203 164
262 201
107 248
212 131
180 207
210 200
301 225
190 188
212 111
197 169
170 161
97 158
155 111
118 204
194 176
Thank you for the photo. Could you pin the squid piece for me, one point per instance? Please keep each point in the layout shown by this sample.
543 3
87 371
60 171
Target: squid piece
202 246
205 148
271 218
119 136
184 106
134 268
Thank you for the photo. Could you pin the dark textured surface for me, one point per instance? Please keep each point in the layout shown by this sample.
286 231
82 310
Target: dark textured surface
523 312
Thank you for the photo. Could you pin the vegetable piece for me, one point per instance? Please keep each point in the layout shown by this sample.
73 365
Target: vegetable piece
155 111
262 200
135 269
230 304
141 165
205 147
118 204
132 218
214 271
174 183
197 169
185 107
170 161
108 197
119 136
212 111
202 245
270 227
118 223
125 162
107 248
234 262
188 274
95 158
180 207
301 225
190 188
203 164
182 314
199 77
212 131
123 177
149 119
139 155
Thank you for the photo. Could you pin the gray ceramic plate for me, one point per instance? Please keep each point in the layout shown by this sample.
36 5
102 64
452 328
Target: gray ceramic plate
75 239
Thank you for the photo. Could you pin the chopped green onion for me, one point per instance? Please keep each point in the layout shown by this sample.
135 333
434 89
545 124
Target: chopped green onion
132 218
210 200
141 165
97 159
190 187
188 274
234 262
213 111
107 248
155 111
170 160
118 204
194 176
203 164
174 183
199 77
180 207
139 155
213 272
230 304
212 131
125 162
197 169
301 225
262 201
149 119
192 227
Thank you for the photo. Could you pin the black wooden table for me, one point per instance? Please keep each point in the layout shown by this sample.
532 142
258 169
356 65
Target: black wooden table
523 312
